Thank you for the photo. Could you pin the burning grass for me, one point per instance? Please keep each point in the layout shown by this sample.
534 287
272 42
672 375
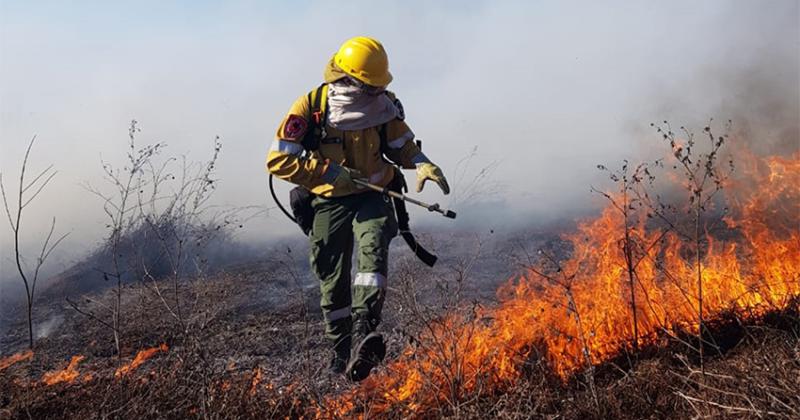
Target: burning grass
68 374
575 314
15 358
141 357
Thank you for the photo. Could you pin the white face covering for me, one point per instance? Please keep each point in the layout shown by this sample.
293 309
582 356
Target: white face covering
353 105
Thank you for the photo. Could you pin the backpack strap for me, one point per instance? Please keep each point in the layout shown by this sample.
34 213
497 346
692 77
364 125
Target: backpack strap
384 141
318 101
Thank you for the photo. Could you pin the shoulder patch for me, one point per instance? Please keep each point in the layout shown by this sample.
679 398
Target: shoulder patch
401 113
295 127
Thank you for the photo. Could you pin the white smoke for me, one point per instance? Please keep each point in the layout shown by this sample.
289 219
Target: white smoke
548 89
44 329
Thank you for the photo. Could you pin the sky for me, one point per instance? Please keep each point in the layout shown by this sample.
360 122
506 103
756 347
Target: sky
538 91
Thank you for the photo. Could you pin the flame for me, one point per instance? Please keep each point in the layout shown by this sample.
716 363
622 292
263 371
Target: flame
257 376
15 358
581 315
69 374
141 357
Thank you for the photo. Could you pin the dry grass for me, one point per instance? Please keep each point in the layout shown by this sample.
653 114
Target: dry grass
250 359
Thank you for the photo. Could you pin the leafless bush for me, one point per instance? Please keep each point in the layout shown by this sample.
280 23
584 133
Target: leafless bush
33 188
627 202
160 226
638 199
703 178
124 218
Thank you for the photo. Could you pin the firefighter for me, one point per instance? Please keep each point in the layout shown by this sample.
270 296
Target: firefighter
345 129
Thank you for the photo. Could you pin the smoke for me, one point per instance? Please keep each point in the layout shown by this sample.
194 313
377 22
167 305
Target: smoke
754 80
547 90
47 327
766 106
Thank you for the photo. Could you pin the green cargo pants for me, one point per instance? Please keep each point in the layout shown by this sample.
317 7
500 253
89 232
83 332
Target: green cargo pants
369 217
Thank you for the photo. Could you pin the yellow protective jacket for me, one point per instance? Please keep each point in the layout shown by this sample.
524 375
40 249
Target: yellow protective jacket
357 149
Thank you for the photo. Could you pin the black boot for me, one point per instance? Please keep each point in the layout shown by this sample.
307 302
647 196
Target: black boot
369 349
341 355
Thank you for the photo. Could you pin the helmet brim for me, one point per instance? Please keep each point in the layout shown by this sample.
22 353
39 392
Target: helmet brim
332 72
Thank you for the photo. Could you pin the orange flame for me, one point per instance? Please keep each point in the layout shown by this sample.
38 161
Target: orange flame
582 315
15 358
141 357
257 376
69 374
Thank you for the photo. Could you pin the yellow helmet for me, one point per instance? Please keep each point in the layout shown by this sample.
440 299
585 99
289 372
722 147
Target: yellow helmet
365 59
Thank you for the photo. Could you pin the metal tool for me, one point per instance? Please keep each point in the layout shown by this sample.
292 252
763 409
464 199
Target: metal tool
400 196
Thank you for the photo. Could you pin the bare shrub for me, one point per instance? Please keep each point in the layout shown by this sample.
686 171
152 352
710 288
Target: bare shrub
703 177
160 226
33 188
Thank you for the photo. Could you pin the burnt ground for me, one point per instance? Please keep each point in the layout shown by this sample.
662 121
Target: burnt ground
276 280
248 344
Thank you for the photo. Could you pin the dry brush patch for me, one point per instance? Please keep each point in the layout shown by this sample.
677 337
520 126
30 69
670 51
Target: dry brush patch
209 373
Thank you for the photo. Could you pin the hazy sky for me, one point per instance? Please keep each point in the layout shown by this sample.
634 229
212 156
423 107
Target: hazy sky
548 88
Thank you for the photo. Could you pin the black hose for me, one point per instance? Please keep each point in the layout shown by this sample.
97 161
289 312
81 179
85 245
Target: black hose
278 202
